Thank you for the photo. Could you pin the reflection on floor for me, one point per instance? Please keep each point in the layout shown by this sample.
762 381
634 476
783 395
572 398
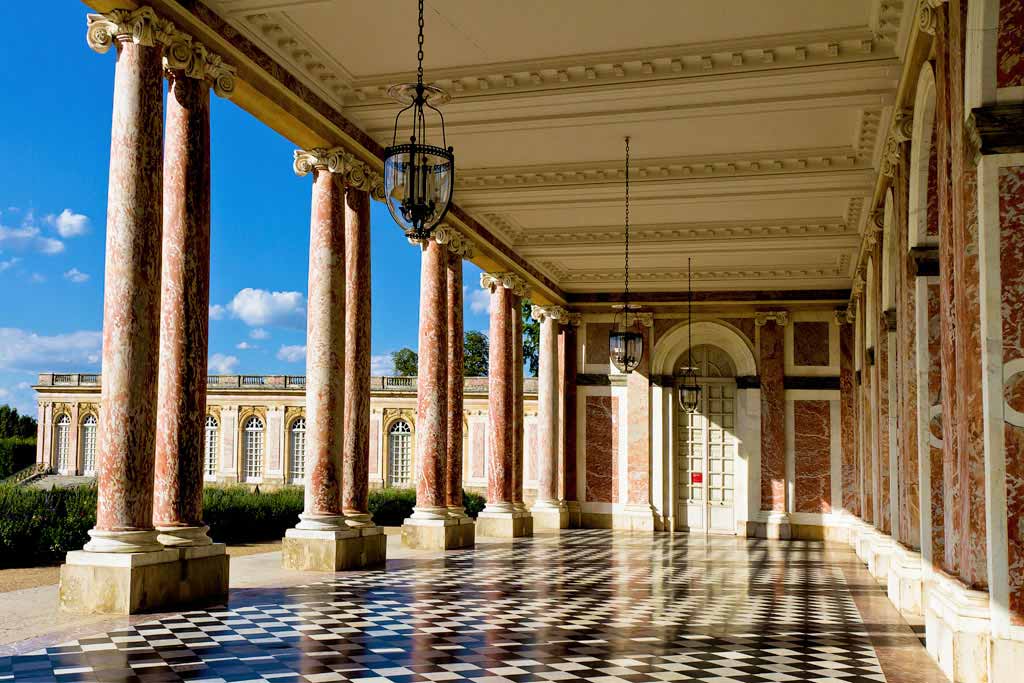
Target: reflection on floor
587 605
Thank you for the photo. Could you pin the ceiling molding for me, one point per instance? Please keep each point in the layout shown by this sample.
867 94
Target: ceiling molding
614 276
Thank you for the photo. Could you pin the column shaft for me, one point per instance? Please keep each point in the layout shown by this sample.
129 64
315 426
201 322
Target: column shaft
184 319
356 460
567 356
499 409
325 349
131 306
516 314
456 386
432 384
773 441
547 412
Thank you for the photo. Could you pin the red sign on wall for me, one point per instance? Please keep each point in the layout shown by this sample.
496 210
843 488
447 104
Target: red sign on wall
696 477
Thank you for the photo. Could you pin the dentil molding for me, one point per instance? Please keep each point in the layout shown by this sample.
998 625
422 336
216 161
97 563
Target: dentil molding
339 161
182 52
509 281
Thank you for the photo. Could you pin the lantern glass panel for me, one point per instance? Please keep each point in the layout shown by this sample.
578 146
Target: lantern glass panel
418 182
626 349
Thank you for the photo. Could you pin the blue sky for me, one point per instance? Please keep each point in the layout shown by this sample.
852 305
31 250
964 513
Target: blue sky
55 148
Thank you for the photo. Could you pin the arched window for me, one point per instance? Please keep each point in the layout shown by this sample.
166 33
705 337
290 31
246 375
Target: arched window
400 454
210 447
89 445
63 439
253 464
298 450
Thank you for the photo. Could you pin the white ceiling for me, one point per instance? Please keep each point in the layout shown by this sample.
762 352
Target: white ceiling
754 124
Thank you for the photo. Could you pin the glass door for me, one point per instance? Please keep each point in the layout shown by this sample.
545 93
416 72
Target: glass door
707 460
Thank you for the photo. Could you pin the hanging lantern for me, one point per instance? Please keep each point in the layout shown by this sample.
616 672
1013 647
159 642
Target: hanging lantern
418 177
689 389
626 340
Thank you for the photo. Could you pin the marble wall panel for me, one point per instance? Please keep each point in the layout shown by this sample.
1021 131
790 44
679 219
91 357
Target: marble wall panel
936 467
602 448
812 448
906 364
744 325
773 422
597 343
1009 42
1011 219
810 343
848 422
477 450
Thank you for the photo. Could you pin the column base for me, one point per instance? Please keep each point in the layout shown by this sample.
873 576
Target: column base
880 557
634 518
129 583
439 534
550 515
770 525
504 522
958 630
904 583
575 514
331 551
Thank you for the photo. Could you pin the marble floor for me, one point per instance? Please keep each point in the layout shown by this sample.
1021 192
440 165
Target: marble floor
584 605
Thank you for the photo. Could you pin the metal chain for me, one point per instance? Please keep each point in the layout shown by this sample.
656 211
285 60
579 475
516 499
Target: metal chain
626 296
689 310
419 54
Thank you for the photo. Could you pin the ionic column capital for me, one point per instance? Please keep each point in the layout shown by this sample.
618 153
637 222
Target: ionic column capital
352 172
573 319
844 316
927 15
195 61
455 241
509 281
555 313
891 156
903 124
780 318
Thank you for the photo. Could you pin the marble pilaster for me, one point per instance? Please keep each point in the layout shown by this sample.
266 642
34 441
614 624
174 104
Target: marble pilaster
771 334
567 381
848 417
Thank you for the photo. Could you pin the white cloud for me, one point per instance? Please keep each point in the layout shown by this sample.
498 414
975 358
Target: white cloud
221 364
76 276
258 307
381 365
28 238
69 223
259 333
245 346
37 277
24 350
292 354
479 301
9 263
217 312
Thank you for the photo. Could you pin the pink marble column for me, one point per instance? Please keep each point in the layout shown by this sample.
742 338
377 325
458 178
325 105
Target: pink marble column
547 406
848 417
567 363
184 319
516 314
432 385
773 426
131 305
356 453
325 348
456 387
500 487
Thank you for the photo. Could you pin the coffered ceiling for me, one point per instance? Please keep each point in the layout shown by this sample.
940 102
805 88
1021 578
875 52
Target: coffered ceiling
755 125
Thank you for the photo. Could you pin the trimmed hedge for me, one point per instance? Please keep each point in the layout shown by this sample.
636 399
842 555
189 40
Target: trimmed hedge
38 527
16 453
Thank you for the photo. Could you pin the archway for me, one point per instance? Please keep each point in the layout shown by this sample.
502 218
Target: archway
706 466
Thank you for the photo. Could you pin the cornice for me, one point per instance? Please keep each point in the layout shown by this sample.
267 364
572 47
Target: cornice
676 232
780 318
182 53
339 161
509 281
614 275
671 168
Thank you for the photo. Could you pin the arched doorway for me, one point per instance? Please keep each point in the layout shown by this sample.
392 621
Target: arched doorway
724 438
706 445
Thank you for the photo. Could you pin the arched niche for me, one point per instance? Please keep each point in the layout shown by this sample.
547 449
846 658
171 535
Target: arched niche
922 165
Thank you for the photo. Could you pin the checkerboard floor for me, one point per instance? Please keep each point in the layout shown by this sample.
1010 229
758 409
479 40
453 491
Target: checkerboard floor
586 605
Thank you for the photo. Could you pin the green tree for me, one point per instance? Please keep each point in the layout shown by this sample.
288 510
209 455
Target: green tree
531 338
477 349
13 424
406 362
27 426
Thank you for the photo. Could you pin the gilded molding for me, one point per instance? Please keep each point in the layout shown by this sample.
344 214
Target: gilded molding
891 156
509 281
344 165
556 313
780 318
